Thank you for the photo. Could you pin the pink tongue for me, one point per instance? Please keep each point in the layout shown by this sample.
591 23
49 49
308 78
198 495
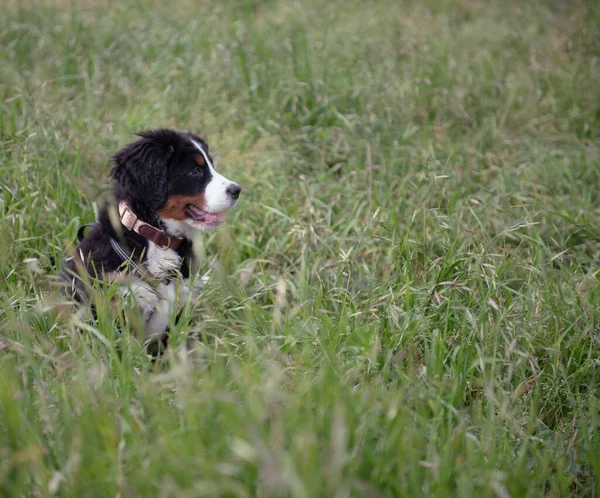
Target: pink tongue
205 217
213 217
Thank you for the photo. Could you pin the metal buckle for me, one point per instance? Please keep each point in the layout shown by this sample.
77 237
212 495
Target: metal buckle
164 248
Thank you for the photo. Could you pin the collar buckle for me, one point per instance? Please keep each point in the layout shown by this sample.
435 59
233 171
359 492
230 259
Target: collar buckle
165 246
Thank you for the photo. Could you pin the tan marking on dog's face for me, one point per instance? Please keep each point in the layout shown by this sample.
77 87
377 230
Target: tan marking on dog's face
175 208
200 160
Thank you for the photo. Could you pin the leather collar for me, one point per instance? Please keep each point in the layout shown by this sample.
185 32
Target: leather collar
132 223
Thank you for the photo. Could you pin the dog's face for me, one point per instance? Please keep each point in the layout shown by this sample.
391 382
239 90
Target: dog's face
196 193
173 175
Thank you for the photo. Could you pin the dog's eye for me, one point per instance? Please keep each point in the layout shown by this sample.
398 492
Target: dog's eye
196 172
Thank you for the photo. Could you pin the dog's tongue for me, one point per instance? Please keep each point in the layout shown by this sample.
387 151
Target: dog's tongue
203 216
213 217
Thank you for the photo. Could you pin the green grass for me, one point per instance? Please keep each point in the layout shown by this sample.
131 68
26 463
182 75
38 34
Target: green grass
406 302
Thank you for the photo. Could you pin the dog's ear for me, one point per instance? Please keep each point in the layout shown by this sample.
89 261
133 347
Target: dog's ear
141 167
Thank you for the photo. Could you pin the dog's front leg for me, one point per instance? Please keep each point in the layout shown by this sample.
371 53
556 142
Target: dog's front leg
144 297
155 305
158 322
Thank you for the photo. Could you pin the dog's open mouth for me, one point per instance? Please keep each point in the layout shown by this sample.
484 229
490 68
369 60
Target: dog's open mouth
200 216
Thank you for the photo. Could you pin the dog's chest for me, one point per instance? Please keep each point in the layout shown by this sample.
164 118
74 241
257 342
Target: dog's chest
157 301
170 295
161 263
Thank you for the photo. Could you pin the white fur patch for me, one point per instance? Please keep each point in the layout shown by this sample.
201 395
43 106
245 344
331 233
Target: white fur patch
159 321
160 263
215 195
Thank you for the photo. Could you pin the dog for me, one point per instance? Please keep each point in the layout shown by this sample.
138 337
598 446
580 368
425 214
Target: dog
166 192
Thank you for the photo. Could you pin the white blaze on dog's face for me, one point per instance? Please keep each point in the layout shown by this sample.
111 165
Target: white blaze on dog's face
198 196
218 192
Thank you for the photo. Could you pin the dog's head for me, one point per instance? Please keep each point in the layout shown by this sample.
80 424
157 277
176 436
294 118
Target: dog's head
171 175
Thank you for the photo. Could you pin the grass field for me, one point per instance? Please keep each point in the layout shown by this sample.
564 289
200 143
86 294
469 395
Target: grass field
406 302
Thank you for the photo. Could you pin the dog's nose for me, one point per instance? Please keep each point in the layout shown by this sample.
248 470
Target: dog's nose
234 190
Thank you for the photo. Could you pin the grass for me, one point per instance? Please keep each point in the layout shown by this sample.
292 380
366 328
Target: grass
406 302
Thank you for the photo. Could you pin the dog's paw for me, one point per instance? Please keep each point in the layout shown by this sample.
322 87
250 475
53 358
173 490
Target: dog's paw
144 296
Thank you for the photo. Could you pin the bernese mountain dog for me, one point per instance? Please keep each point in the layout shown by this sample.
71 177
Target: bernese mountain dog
166 191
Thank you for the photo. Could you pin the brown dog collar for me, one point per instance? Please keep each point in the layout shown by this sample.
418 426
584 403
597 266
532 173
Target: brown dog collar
130 221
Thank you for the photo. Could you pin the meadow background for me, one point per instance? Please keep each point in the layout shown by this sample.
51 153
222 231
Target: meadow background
406 301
